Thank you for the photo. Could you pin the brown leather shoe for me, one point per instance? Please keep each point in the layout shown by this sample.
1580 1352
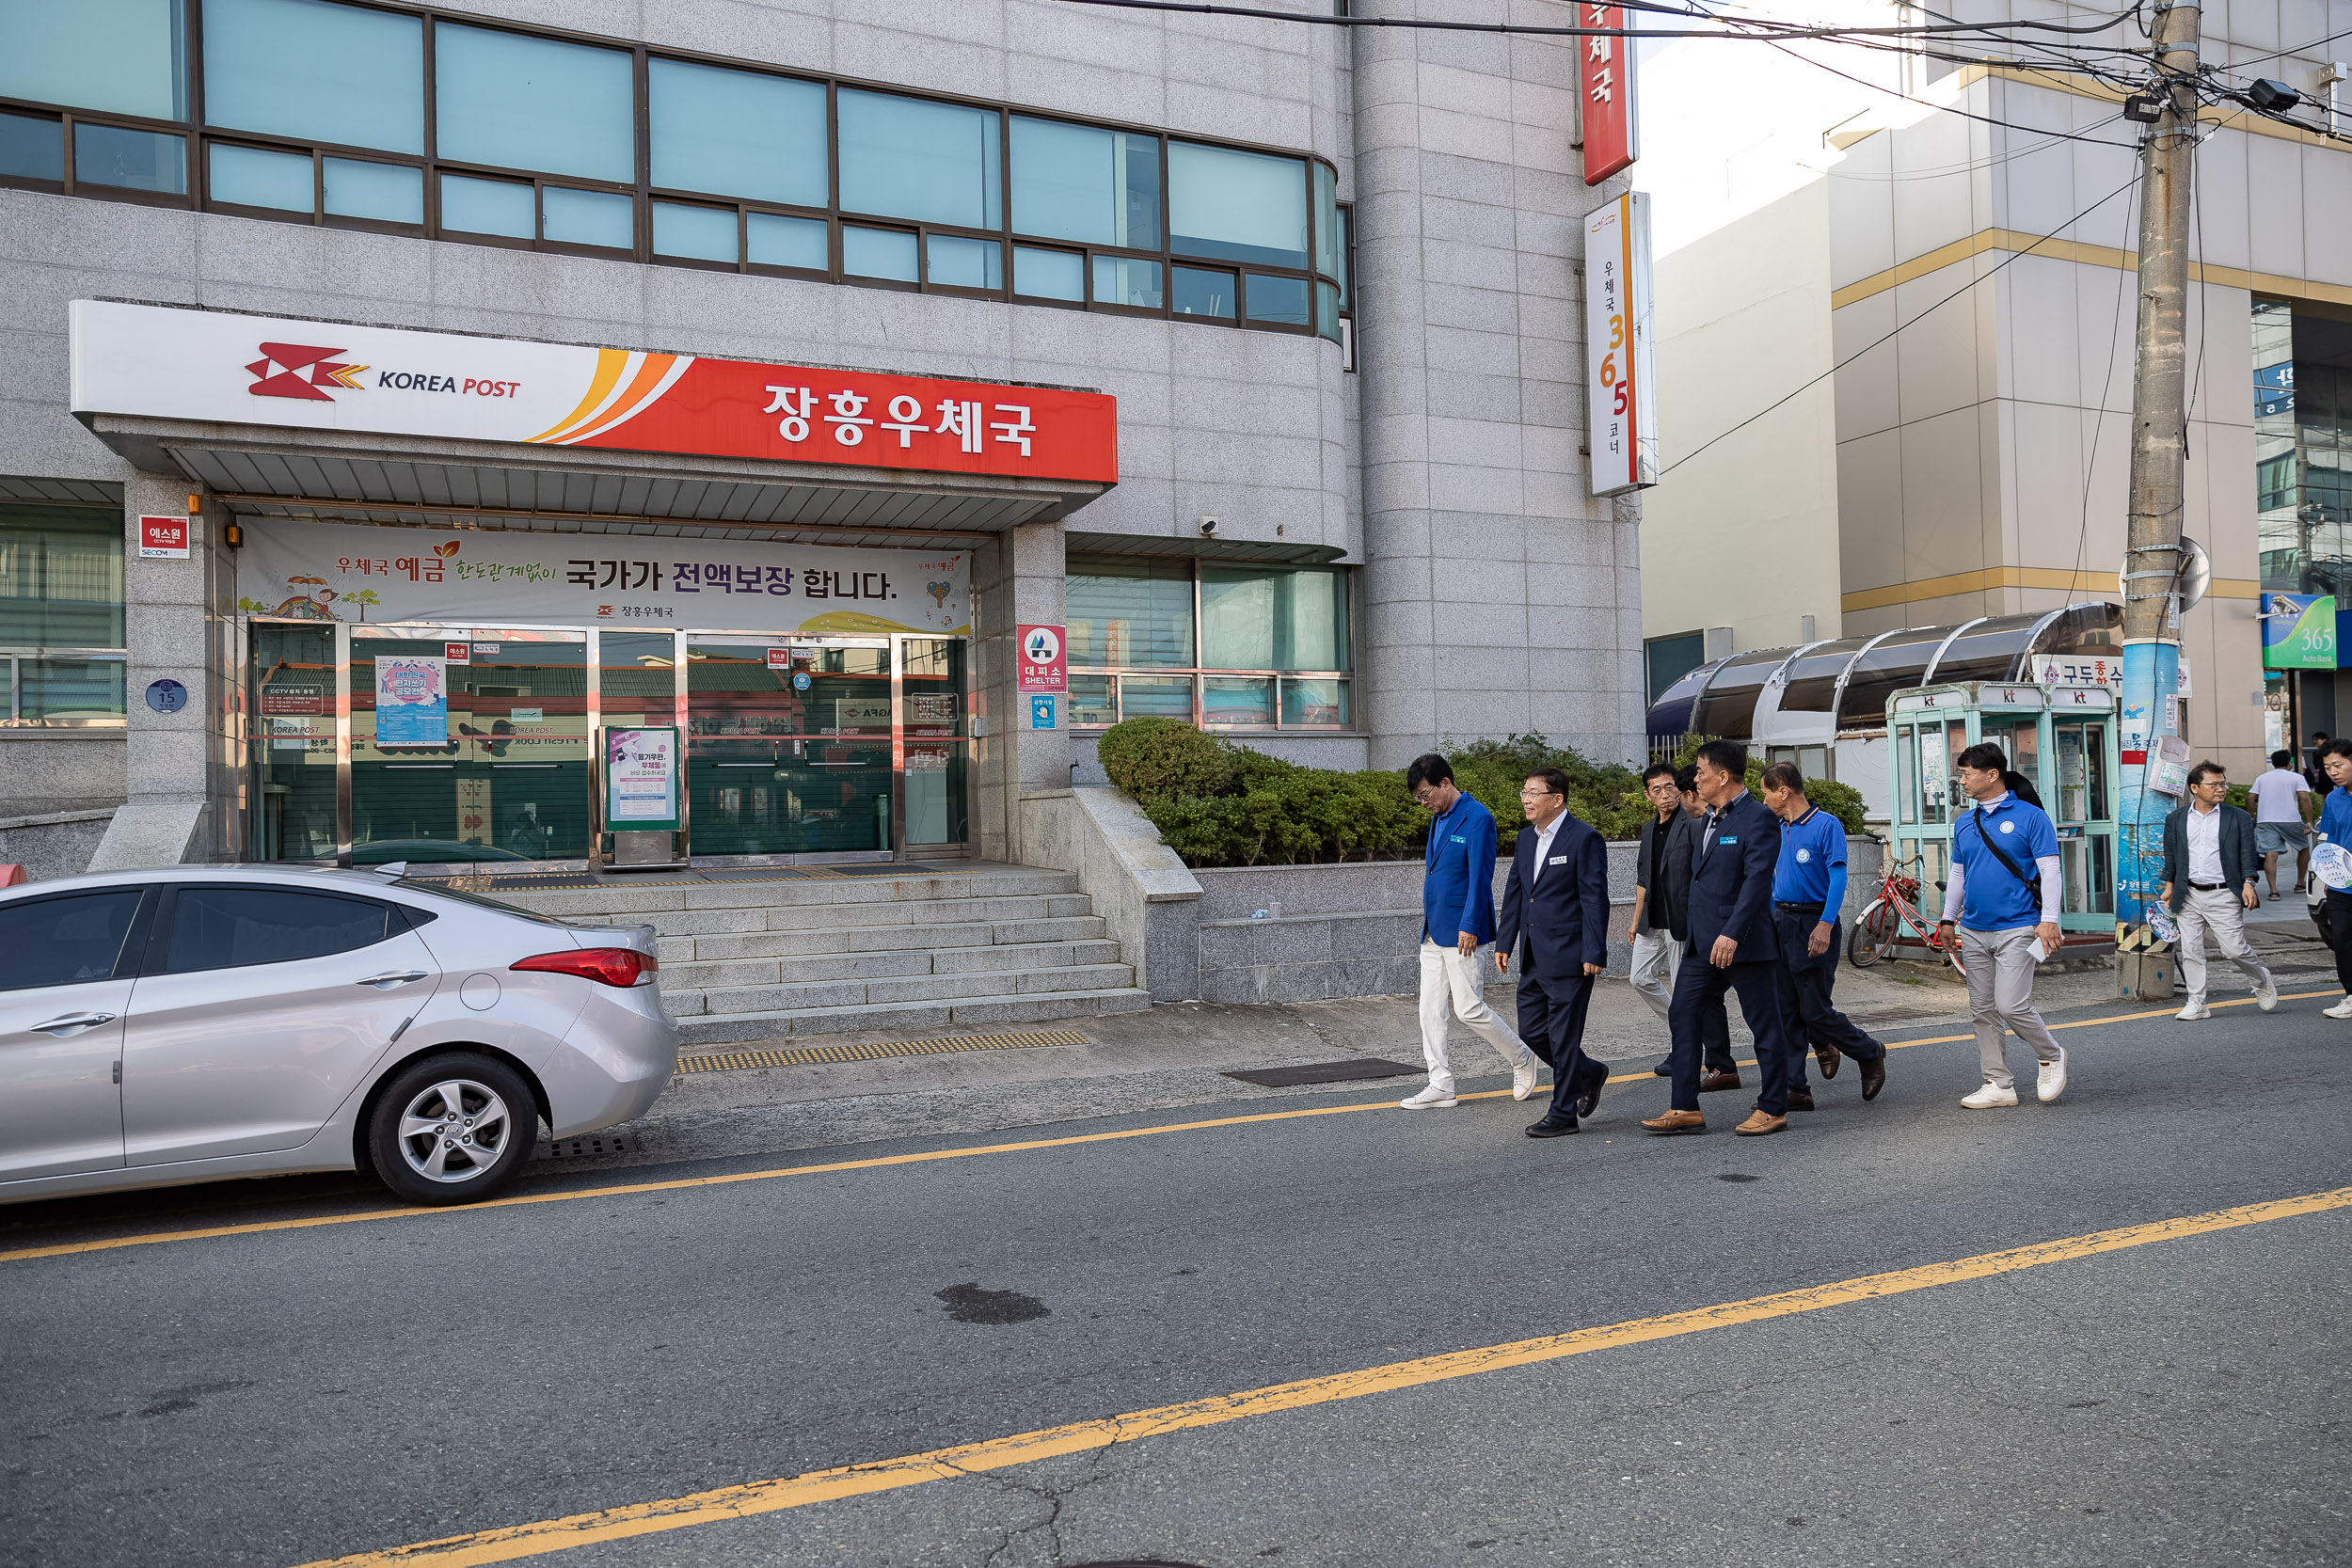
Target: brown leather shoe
1873 1077
1801 1099
1758 1124
1676 1121
1829 1056
1710 1082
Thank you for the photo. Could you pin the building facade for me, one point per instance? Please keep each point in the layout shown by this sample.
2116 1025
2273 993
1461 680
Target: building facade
1945 251
407 399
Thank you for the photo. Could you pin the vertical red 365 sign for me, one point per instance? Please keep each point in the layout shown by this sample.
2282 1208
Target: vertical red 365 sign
1612 136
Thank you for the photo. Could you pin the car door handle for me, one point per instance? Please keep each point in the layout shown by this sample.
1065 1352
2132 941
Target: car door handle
395 977
61 1027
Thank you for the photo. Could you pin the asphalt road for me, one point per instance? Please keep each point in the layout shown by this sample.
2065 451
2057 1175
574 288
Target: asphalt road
311 1391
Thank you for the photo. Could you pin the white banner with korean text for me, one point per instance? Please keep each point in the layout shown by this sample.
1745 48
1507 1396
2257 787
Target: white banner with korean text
1617 346
341 572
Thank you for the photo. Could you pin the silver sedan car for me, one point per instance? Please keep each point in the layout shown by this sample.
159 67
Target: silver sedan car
200 1022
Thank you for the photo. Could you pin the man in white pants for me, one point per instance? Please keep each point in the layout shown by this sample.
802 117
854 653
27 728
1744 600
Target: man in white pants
2209 872
1457 901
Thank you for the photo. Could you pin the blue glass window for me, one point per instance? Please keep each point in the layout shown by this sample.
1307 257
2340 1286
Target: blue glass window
536 103
588 217
1125 281
1327 311
877 253
1278 299
1236 206
324 72
1327 222
31 149
933 163
960 263
1343 222
487 206
775 241
134 160
704 233
1049 274
1077 182
1201 293
251 177
388 193
130 56
735 132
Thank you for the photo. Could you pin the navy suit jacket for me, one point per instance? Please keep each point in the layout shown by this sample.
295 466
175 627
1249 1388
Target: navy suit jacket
1731 884
1563 914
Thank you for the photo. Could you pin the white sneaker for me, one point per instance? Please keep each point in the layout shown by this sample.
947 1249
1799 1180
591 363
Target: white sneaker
1431 1098
2194 1010
2266 994
2051 1083
2342 1009
1990 1096
1523 1079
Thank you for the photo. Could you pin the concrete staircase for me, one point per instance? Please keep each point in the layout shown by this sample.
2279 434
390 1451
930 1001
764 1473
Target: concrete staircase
763 960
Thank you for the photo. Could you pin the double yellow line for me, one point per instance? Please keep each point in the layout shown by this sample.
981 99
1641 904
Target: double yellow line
850 1480
68 1250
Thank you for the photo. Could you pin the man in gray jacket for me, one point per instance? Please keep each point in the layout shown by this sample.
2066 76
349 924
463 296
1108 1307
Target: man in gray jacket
2209 871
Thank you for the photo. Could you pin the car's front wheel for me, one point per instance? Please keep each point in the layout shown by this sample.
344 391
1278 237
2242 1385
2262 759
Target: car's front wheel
452 1128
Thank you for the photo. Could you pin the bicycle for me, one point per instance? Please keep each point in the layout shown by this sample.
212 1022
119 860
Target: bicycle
1894 916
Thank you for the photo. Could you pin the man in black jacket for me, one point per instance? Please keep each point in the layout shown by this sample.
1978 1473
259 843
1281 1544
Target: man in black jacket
1732 943
1554 916
1661 927
2209 870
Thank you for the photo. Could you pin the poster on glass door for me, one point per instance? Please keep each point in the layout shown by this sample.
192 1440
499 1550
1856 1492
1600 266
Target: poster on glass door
641 778
341 572
411 701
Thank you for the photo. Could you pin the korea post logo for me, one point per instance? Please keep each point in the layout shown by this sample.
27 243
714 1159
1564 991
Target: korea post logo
298 370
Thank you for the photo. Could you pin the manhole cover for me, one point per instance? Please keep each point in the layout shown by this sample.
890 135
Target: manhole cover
1324 1072
593 1145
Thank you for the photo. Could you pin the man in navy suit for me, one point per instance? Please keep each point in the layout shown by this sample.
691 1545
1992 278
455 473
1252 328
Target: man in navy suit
1556 917
1732 943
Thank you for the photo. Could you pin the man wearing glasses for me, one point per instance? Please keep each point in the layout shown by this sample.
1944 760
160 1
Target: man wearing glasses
1556 901
1457 907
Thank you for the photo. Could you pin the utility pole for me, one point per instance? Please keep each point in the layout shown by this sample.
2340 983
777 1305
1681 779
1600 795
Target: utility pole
2152 624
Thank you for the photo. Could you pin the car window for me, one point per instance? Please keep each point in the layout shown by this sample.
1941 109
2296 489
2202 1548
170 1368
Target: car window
228 927
59 942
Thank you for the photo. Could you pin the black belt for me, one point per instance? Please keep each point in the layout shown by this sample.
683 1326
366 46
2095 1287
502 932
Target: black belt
2209 887
1815 904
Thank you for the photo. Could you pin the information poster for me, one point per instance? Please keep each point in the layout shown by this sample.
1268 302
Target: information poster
411 701
641 779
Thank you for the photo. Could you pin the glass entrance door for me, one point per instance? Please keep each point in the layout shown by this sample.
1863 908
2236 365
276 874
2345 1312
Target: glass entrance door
790 746
468 744
936 745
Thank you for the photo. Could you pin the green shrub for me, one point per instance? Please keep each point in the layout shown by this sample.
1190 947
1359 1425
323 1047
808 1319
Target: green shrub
1843 802
1151 758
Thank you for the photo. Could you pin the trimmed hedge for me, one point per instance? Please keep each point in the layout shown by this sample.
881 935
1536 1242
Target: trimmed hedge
1216 803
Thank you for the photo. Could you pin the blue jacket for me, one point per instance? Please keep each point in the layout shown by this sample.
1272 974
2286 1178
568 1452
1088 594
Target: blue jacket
1731 882
1563 914
1457 886
2335 817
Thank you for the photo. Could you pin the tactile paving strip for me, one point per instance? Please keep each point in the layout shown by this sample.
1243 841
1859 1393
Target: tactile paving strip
809 1055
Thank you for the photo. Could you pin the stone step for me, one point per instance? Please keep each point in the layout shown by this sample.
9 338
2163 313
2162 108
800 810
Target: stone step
848 993
616 899
911 1017
690 973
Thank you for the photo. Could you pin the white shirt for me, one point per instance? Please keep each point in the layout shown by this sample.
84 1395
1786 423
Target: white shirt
1543 845
2205 845
2275 795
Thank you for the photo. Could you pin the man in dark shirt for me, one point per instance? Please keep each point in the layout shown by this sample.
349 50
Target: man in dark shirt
1661 927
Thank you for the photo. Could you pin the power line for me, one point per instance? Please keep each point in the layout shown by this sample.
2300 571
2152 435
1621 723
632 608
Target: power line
1759 28
1965 288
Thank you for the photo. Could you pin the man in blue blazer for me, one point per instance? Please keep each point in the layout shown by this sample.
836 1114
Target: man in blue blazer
1556 917
1457 914
1732 944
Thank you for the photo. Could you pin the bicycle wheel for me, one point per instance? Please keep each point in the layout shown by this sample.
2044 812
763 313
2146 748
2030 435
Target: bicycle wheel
1873 936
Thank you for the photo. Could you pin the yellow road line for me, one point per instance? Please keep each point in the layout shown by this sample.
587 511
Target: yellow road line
849 1481
68 1250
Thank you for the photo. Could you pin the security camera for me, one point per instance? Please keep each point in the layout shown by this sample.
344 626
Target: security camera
1208 527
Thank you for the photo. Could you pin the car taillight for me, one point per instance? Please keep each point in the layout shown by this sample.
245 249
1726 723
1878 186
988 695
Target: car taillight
606 966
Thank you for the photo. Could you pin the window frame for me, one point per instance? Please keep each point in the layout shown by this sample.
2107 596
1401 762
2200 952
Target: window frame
198 136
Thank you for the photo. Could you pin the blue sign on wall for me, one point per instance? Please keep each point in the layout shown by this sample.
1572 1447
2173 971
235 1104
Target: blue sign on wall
1041 710
2274 388
166 696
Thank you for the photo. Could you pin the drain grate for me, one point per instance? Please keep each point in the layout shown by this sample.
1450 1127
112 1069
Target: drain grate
810 1055
594 1144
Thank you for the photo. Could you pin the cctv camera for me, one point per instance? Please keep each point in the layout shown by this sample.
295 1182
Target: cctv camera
1208 527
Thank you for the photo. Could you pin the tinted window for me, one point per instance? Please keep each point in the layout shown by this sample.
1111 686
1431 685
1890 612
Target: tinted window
534 102
735 132
908 158
227 927
303 68
58 941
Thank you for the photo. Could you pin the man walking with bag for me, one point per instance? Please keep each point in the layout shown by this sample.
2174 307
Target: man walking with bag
2004 898
1458 908
2209 875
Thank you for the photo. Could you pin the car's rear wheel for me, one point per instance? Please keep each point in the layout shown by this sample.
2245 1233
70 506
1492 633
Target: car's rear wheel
452 1128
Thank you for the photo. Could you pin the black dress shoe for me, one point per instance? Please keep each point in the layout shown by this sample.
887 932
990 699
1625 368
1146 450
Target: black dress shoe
1827 1055
1665 1069
1550 1129
1589 1095
1801 1099
1873 1077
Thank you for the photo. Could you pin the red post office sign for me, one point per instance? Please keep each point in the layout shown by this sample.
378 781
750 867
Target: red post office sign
457 652
163 539
1045 663
1605 73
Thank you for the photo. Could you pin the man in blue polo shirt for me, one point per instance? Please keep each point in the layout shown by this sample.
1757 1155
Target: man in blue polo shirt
1808 897
1458 908
2004 896
2335 827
